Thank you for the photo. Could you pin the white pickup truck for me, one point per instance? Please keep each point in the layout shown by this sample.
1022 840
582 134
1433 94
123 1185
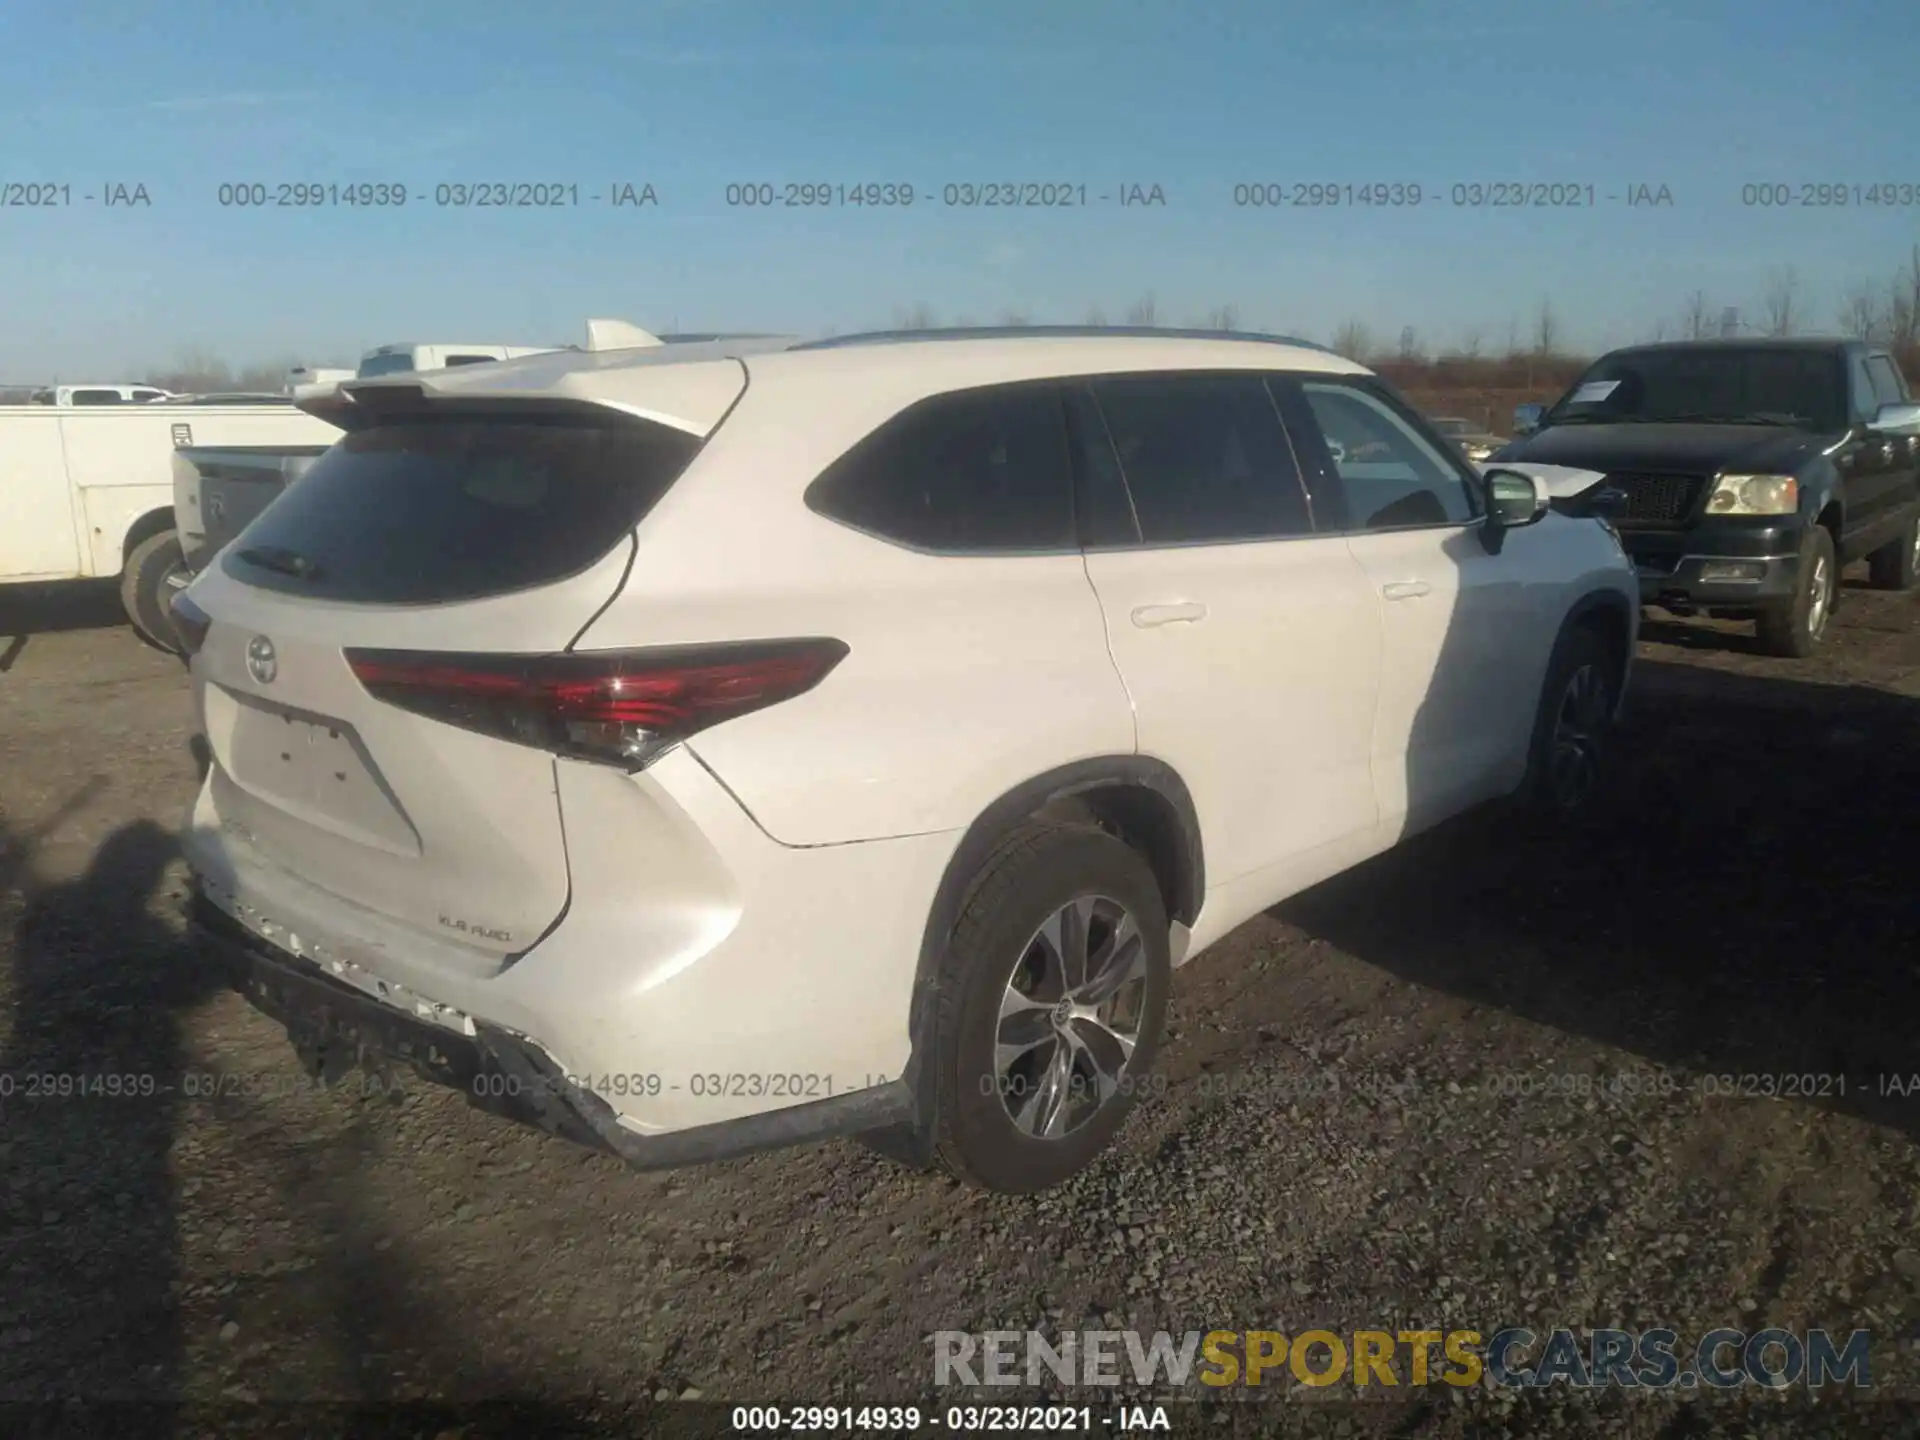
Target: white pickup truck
87 492
301 376
67 396
409 355
304 382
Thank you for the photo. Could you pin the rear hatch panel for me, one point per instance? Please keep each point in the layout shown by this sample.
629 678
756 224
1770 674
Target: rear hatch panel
448 533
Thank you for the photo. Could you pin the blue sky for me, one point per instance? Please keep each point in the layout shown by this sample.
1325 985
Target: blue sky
1701 97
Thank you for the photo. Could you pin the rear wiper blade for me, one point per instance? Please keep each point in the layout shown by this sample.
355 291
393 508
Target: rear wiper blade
281 560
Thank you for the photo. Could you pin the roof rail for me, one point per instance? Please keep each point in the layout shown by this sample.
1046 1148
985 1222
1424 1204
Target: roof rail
1053 332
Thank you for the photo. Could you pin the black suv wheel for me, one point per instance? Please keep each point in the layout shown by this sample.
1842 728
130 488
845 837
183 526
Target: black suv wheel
1566 765
1896 565
1797 628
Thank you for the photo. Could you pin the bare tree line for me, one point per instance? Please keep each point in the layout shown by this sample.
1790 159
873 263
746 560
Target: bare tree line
1887 313
198 371
1535 351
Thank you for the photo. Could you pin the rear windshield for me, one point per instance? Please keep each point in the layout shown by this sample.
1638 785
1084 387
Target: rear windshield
431 511
1713 385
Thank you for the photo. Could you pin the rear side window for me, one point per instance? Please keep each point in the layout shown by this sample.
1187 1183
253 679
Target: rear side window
1106 513
450 509
454 361
97 397
972 472
1205 458
1887 389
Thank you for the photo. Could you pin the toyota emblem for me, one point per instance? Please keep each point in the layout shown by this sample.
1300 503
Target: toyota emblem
262 663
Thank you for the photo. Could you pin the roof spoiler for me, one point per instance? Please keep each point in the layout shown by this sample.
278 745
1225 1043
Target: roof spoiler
618 335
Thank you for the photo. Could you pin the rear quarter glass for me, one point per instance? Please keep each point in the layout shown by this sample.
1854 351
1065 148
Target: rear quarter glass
433 511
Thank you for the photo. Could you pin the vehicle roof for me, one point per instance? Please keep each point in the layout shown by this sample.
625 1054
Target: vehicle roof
401 347
692 384
1761 342
1050 332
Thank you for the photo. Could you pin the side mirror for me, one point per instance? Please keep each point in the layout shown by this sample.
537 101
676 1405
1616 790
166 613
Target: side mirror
1527 418
1514 499
1903 419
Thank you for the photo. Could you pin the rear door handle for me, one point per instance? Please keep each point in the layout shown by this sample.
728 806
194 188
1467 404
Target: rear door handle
1406 589
1147 616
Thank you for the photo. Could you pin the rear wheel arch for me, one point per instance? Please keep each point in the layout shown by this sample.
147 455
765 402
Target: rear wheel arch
154 522
1142 801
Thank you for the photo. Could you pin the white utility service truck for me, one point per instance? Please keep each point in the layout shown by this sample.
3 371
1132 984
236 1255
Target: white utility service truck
87 491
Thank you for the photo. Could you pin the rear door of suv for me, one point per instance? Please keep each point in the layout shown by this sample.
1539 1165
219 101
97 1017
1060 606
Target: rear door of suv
1249 642
432 550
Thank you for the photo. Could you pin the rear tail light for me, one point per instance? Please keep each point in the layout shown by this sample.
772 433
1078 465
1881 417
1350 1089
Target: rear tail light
616 707
191 623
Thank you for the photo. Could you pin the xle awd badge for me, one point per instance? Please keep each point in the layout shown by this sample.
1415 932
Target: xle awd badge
262 663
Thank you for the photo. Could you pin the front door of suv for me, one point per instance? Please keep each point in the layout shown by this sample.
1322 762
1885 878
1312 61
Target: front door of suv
1467 633
1249 643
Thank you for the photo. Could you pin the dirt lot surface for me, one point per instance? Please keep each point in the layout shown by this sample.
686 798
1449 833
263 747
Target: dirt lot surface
1423 1096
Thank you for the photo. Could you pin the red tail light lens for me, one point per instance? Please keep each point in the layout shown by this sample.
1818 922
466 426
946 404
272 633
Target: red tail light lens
191 622
617 707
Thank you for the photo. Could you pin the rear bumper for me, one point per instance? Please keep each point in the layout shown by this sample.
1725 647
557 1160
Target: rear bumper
708 990
336 1028
1717 565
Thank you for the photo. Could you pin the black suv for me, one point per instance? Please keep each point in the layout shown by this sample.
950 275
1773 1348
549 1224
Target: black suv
1748 472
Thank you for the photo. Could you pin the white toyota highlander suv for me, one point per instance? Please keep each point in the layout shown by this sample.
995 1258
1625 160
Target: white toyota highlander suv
701 752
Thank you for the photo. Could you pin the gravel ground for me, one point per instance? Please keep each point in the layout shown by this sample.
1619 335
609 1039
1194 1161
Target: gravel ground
1345 1143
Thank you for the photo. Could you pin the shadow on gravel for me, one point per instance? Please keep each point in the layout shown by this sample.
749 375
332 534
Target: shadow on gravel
1686 635
91 1077
91 1225
1744 905
29 610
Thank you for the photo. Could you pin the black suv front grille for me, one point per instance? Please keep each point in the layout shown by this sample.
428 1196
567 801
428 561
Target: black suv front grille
1655 498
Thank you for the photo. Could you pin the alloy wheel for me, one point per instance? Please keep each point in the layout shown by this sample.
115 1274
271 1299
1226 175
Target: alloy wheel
1819 597
1578 727
1070 1017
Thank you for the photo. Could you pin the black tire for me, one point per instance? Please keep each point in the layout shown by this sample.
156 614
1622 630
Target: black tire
1896 565
145 594
1041 871
1796 629
1567 759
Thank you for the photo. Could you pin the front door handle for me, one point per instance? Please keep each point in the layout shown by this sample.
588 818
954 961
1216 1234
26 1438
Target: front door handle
1147 616
1406 589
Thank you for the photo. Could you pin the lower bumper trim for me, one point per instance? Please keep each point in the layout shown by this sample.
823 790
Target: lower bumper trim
1705 582
336 1029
